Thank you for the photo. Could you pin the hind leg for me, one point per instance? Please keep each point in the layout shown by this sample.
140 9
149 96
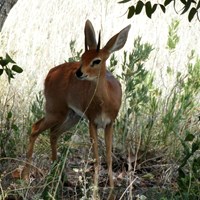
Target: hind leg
71 120
37 128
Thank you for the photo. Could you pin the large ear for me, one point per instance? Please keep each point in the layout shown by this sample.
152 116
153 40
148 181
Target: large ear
90 38
118 40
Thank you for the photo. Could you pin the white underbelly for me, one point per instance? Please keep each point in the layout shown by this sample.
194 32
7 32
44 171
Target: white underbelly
78 112
102 121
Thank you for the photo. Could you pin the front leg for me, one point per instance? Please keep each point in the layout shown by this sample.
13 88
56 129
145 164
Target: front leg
94 140
108 142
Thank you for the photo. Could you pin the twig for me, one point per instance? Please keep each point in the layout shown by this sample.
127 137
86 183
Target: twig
130 185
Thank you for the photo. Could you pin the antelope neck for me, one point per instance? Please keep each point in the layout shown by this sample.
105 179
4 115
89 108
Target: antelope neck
101 86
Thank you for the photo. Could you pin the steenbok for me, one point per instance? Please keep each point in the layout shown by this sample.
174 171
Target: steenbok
82 89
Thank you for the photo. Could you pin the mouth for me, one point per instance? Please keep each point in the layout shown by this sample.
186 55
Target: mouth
80 75
83 77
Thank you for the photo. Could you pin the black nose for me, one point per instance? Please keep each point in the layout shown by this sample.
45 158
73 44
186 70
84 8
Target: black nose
79 73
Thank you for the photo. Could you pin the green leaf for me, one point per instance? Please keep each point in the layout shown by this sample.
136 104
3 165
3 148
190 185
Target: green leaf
154 8
181 173
139 7
198 5
9 115
195 146
1 72
148 9
167 2
9 73
17 69
162 8
14 127
124 1
170 70
3 62
191 14
186 7
131 11
190 137
183 1
9 59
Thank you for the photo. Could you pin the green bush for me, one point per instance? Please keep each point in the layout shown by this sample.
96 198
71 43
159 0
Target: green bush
9 128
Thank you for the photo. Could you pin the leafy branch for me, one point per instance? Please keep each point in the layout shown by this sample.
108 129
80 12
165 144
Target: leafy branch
10 71
190 6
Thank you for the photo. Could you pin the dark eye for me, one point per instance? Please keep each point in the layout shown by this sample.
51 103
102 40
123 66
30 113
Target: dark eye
96 62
